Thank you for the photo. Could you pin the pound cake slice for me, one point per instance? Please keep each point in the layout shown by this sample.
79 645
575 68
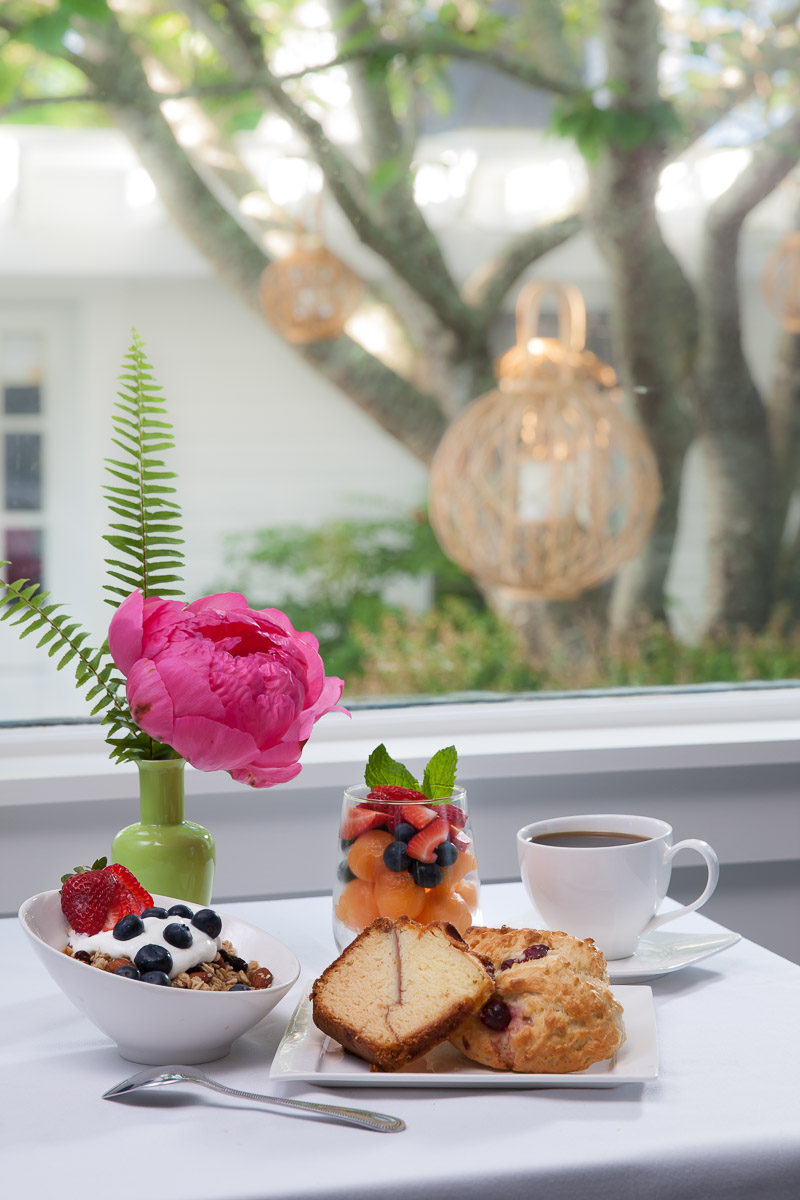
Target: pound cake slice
399 989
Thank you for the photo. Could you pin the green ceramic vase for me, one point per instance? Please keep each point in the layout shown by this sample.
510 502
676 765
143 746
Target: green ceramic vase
167 854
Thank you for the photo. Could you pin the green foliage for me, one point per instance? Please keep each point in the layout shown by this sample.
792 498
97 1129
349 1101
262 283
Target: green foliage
451 648
147 537
594 128
381 768
438 778
148 534
339 577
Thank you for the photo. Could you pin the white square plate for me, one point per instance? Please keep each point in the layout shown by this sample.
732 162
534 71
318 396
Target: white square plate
307 1055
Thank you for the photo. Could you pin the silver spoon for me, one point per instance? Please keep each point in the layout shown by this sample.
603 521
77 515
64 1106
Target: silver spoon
157 1076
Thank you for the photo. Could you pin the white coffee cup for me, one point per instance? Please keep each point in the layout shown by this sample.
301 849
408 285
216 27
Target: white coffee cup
609 892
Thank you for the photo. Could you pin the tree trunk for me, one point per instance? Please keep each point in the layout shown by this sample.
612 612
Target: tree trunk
746 494
652 303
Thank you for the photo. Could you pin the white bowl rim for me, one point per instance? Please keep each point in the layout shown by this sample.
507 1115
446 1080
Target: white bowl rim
278 985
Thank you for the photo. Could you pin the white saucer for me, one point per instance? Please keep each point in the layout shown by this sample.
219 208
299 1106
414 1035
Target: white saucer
660 953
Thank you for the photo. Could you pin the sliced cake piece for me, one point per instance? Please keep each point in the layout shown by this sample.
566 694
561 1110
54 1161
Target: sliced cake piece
399 989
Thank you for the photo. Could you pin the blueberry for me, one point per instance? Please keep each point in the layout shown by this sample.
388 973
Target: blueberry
427 875
178 935
240 987
180 910
395 857
234 962
403 831
155 911
156 977
446 854
153 958
208 922
128 970
345 843
495 1014
344 873
127 927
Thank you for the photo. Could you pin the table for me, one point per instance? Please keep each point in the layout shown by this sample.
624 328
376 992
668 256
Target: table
721 1120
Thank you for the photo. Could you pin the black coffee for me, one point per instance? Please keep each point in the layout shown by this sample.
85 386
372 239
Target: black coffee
587 840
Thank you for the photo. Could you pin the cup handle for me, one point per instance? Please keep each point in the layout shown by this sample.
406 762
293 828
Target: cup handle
712 862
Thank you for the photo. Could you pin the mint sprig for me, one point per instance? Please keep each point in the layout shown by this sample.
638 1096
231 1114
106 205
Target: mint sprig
440 774
437 781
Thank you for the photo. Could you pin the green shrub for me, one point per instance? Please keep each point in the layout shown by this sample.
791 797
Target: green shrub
344 580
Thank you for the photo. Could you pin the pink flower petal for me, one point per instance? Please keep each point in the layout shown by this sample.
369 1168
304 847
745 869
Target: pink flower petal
226 687
150 702
211 746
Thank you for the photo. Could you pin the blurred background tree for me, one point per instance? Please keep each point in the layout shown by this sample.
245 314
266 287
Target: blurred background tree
182 79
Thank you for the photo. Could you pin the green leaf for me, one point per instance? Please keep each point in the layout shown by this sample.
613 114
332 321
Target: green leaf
382 768
440 774
142 432
45 32
385 176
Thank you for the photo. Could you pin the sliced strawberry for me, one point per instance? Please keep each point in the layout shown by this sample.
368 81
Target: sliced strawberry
423 845
459 839
359 820
453 814
418 815
393 791
128 896
388 810
131 884
85 900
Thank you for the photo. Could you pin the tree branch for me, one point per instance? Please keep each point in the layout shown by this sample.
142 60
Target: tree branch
408 245
487 287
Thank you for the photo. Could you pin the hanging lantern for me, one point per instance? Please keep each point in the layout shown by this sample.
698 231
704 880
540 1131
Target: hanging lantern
544 487
780 283
309 295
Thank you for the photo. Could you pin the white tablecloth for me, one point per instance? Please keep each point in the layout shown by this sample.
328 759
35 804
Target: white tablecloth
722 1119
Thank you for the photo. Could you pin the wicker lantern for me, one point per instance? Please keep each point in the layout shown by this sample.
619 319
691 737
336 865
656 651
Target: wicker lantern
309 295
780 283
544 487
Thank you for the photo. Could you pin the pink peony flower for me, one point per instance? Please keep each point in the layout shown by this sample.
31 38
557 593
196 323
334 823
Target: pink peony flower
229 689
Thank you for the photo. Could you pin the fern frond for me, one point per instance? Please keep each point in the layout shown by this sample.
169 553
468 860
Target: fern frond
139 489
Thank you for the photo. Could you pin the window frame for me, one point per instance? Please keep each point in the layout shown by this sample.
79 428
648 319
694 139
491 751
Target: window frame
496 737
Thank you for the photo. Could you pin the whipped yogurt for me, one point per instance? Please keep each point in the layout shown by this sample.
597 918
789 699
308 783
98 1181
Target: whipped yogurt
203 948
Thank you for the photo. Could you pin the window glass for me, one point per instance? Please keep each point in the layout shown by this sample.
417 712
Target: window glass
23 475
572 242
23 550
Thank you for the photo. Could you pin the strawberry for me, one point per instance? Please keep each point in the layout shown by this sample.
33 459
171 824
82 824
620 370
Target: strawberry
128 896
393 791
453 814
94 898
86 898
359 820
418 815
459 839
388 810
423 845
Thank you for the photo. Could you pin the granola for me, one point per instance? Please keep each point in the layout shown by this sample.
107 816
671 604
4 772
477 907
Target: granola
220 975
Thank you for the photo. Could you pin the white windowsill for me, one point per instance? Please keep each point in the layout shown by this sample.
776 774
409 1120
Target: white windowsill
495 738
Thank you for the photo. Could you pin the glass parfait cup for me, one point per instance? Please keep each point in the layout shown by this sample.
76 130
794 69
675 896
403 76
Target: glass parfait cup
404 858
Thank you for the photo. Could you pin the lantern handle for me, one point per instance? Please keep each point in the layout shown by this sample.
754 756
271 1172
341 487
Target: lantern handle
571 313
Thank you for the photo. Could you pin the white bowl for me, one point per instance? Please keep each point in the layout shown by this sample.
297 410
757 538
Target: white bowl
161 1025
